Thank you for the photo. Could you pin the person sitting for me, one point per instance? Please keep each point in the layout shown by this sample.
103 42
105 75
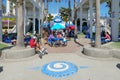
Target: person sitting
5 36
27 39
6 33
13 40
59 35
33 42
51 40
51 37
7 39
59 38
38 48
107 37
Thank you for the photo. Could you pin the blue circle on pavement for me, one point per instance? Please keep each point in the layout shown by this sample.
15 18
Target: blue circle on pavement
59 69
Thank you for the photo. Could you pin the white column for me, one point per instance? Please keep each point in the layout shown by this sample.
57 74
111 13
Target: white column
115 20
7 6
16 15
39 22
40 11
34 13
8 26
91 16
81 22
0 20
25 17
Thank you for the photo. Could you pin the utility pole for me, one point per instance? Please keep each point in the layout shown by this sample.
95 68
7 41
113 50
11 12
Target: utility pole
97 35
0 20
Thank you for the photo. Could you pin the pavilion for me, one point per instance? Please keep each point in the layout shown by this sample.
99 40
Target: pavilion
87 7
32 13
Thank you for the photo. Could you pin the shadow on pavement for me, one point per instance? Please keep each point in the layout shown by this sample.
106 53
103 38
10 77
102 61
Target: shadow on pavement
75 40
118 66
1 68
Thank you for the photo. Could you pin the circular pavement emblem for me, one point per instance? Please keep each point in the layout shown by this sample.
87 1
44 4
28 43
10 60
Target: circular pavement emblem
59 69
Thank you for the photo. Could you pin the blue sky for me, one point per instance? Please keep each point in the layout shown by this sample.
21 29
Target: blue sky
4 2
104 10
53 7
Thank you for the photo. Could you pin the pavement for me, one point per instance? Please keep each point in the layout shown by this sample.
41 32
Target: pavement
88 68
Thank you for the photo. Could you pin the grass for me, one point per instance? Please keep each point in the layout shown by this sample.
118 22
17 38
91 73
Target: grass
115 45
2 45
81 35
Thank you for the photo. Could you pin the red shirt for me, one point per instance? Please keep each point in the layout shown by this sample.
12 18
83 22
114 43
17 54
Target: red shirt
32 43
107 36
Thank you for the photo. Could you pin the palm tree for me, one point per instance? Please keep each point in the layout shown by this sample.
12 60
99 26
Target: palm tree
65 13
75 18
20 28
97 35
70 11
42 5
50 18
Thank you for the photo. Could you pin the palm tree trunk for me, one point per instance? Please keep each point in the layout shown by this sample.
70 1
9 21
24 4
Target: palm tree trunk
47 11
75 18
70 11
42 5
97 35
20 29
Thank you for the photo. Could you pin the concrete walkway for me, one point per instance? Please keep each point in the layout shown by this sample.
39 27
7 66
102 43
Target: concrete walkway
89 68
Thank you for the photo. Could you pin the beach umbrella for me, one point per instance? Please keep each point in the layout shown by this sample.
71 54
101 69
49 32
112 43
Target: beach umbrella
57 26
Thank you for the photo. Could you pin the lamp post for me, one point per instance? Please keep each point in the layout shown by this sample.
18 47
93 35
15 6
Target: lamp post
0 20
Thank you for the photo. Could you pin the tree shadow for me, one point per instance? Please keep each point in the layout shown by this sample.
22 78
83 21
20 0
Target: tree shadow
8 47
1 68
75 40
118 66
